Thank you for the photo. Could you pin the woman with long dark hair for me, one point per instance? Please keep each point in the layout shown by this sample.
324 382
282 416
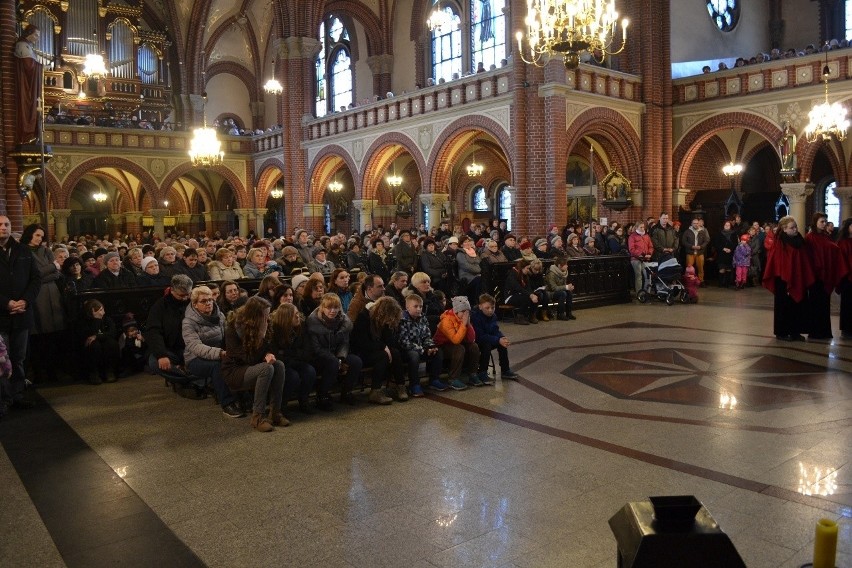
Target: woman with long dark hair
250 363
292 345
49 314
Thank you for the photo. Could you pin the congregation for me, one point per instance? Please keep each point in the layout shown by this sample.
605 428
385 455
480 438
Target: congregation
333 313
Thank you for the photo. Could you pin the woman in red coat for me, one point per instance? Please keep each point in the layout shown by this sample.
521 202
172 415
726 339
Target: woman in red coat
844 242
789 273
829 269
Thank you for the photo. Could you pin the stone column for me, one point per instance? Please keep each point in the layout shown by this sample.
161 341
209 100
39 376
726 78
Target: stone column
844 194
796 194
60 217
133 222
116 223
243 217
434 203
159 216
382 67
365 212
216 221
679 197
259 229
183 221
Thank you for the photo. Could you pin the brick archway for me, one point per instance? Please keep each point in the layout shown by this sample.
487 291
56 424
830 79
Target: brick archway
442 155
147 183
270 170
314 173
376 158
833 150
614 133
689 145
237 186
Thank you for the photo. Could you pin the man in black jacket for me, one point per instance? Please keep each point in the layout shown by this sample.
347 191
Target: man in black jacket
19 286
190 266
165 326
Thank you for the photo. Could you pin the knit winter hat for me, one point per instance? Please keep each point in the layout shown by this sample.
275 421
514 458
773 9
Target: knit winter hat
110 255
148 260
298 280
526 245
540 242
460 304
288 250
744 238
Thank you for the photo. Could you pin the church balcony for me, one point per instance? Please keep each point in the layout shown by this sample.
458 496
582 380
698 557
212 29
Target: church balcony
98 140
765 78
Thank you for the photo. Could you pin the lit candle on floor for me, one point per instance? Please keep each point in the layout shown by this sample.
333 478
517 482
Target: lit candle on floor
825 544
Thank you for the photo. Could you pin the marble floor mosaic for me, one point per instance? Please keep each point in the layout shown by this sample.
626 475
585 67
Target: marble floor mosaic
625 402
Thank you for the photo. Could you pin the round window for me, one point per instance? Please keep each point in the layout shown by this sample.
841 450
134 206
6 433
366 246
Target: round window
724 13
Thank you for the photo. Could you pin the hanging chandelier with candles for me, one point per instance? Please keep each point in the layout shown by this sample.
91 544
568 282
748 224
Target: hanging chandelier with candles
273 86
205 149
826 119
474 169
335 186
393 179
276 193
442 20
99 196
94 66
569 28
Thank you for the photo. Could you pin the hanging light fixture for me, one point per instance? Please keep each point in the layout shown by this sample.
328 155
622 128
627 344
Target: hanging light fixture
442 20
94 66
826 120
205 149
571 27
732 170
474 169
99 196
273 87
276 193
393 179
335 186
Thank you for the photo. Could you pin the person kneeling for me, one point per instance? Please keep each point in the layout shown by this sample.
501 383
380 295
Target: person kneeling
488 337
250 364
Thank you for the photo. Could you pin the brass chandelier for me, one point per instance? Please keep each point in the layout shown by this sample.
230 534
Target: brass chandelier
826 120
569 28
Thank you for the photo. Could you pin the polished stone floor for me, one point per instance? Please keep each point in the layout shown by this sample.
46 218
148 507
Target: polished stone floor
625 402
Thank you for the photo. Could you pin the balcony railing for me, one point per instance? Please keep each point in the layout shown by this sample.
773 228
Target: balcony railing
763 77
452 94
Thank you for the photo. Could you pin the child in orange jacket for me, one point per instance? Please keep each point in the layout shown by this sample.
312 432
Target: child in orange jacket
456 339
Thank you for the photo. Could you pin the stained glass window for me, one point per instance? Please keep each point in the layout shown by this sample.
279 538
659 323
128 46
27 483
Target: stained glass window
487 33
724 13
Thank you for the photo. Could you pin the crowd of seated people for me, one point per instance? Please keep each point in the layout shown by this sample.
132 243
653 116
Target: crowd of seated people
370 320
776 54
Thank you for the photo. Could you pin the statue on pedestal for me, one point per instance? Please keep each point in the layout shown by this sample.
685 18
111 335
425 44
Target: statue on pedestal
28 91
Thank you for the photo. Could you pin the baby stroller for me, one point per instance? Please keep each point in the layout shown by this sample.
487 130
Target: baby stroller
663 281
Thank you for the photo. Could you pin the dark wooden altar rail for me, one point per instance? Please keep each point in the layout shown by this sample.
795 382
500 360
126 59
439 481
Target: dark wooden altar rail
598 280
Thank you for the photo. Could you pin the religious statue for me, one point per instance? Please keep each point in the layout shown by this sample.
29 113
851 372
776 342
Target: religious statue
787 149
28 90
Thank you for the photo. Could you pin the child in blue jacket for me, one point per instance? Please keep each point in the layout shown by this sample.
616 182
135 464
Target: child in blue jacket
489 336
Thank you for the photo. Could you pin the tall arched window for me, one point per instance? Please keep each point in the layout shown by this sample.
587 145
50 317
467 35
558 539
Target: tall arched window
487 33
447 49
478 199
504 200
333 67
832 204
